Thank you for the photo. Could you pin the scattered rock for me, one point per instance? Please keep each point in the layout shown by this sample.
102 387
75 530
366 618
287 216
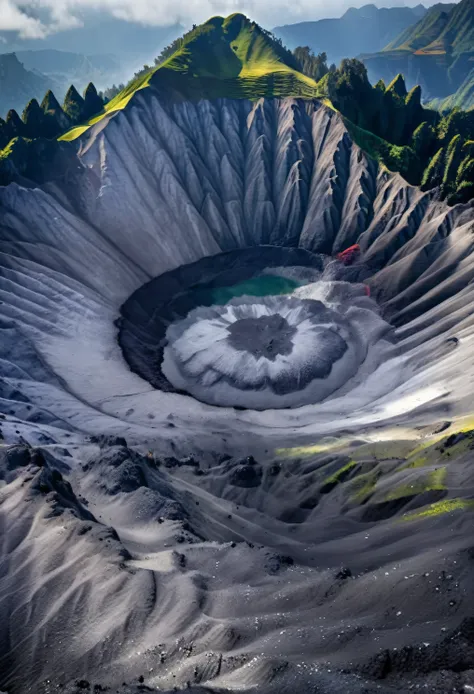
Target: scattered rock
457 438
246 475
106 441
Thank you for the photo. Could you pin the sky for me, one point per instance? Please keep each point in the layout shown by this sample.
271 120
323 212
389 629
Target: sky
36 19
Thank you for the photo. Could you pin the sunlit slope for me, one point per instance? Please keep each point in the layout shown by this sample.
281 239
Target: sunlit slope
424 32
445 28
225 57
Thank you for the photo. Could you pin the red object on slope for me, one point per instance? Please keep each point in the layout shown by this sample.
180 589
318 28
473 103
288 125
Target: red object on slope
350 255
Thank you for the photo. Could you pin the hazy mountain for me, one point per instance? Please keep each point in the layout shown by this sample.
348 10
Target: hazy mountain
102 34
66 68
18 85
359 30
462 98
436 52
421 34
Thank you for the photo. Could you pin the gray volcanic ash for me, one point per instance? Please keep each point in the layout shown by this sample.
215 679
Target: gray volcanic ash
226 466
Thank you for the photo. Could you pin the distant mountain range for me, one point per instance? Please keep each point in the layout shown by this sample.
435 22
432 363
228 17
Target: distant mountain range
104 51
425 31
18 85
364 30
234 58
29 74
437 52
433 48
104 35
66 67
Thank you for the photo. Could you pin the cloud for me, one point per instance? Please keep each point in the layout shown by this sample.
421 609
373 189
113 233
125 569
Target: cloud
12 18
38 18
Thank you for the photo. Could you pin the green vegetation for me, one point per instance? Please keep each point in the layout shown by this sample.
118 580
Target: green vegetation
314 66
364 486
433 481
391 125
235 58
49 119
439 508
462 98
340 475
439 49
423 33
418 462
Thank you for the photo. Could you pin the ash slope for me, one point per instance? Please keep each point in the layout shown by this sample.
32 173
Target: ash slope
165 594
144 571
164 184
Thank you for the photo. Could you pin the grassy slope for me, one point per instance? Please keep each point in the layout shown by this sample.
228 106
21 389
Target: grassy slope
459 31
234 58
463 98
423 32
229 57
443 28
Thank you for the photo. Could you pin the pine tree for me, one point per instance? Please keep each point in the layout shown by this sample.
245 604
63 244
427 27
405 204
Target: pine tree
414 112
14 124
454 157
50 103
33 118
433 175
4 139
56 121
422 139
398 87
93 104
74 105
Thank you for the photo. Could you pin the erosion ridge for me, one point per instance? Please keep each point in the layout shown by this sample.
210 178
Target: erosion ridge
271 549
194 180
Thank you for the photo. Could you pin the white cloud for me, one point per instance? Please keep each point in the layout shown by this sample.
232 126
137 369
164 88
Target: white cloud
12 18
58 15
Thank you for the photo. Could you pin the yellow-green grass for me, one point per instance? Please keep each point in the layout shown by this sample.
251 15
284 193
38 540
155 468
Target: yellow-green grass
385 449
419 461
118 103
7 151
225 57
364 486
311 449
461 425
433 481
340 474
432 449
439 508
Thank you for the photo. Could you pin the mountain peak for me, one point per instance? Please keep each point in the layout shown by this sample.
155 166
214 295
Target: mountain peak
231 53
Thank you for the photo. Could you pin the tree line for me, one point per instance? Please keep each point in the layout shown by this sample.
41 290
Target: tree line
428 148
49 119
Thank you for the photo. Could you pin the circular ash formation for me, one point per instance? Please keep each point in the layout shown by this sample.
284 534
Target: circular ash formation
274 352
263 337
260 329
